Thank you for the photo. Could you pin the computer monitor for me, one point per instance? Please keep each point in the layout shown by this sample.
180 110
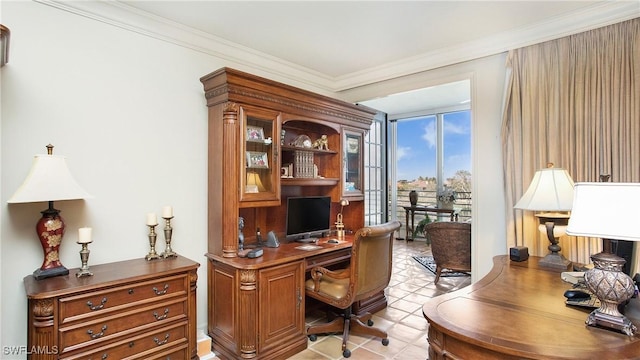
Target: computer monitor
308 217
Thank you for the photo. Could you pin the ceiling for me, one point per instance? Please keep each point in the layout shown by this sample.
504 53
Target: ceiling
341 45
453 96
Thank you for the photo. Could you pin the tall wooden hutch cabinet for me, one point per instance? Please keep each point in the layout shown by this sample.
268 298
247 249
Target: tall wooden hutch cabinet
269 141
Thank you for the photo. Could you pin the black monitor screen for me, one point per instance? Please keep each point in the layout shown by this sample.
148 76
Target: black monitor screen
308 216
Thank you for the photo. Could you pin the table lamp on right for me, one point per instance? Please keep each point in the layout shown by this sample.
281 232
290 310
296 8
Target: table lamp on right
551 195
608 211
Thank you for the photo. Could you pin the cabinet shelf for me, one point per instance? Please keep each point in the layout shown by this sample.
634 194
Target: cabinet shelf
315 151
309 181
261 142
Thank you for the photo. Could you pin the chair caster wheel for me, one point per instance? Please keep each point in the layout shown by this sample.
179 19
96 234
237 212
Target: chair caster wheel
370 322
385 342
313 337
346 353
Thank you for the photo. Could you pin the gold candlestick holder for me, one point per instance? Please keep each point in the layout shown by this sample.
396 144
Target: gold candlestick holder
168 231
84 257
152 243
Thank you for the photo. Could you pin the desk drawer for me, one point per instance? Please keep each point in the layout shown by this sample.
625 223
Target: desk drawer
143 346
84 306
325 260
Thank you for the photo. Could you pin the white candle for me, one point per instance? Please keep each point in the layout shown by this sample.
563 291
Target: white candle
151 219
167 212
84 235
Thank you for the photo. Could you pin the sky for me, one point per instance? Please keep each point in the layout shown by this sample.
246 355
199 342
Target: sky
417 146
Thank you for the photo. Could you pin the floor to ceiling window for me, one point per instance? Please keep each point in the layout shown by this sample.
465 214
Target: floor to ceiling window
423 144
431 154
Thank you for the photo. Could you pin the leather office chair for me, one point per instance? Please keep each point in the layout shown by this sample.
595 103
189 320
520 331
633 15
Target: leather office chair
368 273
450 246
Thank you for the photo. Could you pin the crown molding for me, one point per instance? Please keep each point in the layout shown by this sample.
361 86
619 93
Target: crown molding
596 16
244 58
132 19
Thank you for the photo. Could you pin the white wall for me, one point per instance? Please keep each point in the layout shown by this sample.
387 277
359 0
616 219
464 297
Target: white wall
487 77
128 111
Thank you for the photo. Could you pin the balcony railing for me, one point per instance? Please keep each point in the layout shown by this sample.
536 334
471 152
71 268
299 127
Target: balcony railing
462 205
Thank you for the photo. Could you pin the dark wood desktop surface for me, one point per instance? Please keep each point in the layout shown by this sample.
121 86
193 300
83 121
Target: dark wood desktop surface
517 311
288 252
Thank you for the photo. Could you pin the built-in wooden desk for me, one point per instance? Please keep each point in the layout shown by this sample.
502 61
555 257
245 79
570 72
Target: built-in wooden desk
257 306
517 311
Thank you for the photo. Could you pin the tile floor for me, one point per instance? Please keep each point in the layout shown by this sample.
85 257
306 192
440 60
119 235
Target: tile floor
410 287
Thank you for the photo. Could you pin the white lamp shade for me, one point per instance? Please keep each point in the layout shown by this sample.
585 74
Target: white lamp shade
606 210
48 180
550 190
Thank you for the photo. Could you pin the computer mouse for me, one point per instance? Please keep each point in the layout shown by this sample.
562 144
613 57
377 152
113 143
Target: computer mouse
333 241
576 294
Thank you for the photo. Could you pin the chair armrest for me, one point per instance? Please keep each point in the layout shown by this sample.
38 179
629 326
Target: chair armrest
318 272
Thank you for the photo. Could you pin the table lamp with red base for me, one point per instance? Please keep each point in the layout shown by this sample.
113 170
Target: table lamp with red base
49 180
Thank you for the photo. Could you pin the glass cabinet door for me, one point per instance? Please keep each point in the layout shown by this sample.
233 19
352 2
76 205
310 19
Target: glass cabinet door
260 162
353 165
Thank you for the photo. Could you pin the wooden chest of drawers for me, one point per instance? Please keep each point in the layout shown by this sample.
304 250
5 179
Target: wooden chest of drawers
133 309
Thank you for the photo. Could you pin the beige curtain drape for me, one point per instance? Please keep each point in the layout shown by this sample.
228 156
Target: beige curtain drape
574 102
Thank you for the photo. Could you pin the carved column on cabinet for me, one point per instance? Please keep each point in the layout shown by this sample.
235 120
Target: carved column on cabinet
230 181
248 309
42 333
192 306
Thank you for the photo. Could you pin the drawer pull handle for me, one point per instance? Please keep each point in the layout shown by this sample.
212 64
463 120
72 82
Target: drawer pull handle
103 357
97 307
130 291
132 344
163 316
161 292
161 342
98 335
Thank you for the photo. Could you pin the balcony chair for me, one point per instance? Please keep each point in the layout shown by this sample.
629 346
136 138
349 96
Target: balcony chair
368 273
450 246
